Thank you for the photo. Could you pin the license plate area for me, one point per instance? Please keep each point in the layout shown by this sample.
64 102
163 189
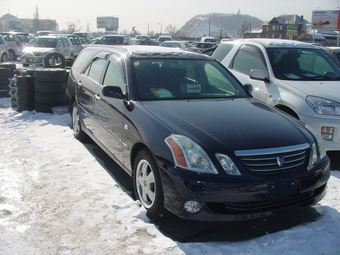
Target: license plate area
282 190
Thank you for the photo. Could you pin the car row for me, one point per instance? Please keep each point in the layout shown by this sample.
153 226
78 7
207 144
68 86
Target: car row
297 78
194 140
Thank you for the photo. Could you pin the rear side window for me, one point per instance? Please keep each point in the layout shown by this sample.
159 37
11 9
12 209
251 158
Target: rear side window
221 51
83 59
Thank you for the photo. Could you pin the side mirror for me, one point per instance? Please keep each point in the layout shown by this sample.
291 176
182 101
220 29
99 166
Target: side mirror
257 74
114 92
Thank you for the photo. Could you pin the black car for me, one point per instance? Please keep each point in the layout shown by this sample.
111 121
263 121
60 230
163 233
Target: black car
194 140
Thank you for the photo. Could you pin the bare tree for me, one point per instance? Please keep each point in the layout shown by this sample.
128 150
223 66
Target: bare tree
170 29
72 27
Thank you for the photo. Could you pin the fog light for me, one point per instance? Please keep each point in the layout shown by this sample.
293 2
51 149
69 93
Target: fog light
192 206
327 133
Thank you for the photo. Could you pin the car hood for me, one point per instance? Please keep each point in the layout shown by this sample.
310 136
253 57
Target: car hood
37 50
234 124
326 89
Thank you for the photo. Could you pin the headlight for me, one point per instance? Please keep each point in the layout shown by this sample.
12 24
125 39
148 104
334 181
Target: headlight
227 164
189 155
323 106
317 150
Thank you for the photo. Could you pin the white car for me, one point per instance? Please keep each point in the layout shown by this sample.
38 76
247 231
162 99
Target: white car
298 78
3 50
45 49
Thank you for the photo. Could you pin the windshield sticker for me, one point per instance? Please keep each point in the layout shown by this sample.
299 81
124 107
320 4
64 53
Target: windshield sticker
191 88
162 93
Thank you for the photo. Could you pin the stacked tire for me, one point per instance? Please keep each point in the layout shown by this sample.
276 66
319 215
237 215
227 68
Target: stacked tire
13 92
25 93
50 87
5 77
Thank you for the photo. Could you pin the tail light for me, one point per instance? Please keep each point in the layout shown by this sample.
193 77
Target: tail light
19 44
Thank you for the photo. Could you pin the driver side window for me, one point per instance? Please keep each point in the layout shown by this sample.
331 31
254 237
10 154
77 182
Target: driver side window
248 58
115 74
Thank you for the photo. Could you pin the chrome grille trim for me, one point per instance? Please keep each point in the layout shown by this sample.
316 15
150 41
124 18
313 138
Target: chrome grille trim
264 161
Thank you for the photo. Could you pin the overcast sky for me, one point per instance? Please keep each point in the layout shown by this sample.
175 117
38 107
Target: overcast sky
153 14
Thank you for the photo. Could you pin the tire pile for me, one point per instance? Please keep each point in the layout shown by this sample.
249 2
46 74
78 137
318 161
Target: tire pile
39 89
6 74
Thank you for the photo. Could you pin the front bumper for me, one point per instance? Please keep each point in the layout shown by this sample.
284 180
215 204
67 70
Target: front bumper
317 123
235 199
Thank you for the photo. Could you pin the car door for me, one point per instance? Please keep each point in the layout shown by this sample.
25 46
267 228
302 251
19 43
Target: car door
247 58
109 112
87 84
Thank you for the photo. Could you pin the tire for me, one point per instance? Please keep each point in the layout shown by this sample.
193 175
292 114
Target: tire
4 57
51 74
54 99
78 132
148 186
50 87
54 59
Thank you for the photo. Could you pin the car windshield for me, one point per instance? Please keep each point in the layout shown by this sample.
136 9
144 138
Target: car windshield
173 79
44 42
302 64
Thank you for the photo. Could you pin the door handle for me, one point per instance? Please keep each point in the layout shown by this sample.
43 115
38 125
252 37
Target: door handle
79 84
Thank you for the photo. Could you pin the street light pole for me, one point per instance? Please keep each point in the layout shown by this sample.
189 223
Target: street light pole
160 27
148 27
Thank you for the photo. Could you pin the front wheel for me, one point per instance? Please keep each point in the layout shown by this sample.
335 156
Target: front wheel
78 132
148 186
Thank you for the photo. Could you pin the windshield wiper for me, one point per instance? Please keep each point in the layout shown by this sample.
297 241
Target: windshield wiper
318 77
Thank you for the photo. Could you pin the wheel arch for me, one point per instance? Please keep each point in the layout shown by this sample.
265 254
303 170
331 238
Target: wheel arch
288 110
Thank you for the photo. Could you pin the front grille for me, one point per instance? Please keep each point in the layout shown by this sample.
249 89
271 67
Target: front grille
274 160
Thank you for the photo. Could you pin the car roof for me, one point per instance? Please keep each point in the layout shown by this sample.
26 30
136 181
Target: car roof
115 35
150 51
51 36
272 43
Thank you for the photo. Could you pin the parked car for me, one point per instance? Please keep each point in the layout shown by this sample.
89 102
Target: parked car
181 45
145 42
87 35
76 42
163 38
43 32
195 142
208 39
3 50
295 77
203 45
143 37
15 46
112 39
24 38
48 50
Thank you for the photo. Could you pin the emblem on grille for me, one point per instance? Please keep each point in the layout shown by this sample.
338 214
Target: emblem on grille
280 161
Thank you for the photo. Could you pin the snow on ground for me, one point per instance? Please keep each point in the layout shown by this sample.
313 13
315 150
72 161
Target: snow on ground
56 197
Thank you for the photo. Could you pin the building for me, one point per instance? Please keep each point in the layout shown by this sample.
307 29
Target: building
9 22
281 27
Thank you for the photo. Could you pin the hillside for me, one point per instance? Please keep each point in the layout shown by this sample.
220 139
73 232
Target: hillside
225 25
